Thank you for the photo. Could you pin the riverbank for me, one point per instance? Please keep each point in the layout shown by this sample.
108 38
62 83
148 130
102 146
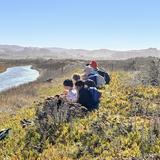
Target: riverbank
25 95
48 68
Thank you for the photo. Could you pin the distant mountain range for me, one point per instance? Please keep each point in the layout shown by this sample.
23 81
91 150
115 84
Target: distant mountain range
19 52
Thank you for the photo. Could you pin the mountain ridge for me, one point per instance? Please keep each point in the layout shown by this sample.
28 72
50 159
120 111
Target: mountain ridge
23 52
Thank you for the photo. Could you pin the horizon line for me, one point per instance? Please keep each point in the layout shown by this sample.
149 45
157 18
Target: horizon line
111 49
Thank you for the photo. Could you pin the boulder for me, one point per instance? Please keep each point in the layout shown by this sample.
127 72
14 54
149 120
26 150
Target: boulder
53 113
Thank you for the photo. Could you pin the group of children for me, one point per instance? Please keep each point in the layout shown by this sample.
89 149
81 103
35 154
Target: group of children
84 89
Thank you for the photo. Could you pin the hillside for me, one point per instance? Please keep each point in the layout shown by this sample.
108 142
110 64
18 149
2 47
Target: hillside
19 52
125 127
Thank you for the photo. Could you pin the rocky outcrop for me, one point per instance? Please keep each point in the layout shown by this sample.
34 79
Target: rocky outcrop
51 116
53 113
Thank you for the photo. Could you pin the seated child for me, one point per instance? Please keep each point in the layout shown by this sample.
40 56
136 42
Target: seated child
84 96
89 83
70 93
96 95
93 75
76 77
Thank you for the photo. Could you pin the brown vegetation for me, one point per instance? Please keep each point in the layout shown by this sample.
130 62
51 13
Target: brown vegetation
2 68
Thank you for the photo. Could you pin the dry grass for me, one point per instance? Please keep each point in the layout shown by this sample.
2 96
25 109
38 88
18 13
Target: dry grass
2 68
27 94
19 97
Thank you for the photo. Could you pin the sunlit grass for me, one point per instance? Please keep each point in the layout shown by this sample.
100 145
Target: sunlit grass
103 134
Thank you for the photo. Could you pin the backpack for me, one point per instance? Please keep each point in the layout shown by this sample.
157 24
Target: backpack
96 95
93 77
100 81
105 75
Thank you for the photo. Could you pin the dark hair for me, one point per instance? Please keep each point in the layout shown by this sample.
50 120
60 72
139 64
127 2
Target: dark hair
90 83
79 83
68 82
76 77
87 64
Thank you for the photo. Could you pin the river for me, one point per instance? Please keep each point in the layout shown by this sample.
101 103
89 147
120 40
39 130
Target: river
16 76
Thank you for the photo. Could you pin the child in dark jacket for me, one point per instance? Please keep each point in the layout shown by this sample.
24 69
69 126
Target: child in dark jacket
96 95
84 96
94 76
76 77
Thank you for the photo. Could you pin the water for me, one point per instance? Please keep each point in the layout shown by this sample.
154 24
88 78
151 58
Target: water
16 76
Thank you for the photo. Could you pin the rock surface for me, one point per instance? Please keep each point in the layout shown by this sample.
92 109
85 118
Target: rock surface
53 113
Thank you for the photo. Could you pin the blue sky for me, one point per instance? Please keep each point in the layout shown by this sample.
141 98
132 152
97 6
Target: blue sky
87 24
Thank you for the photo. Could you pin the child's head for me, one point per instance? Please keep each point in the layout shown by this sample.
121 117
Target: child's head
76 77
79 84
90 83
94 64
68 84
